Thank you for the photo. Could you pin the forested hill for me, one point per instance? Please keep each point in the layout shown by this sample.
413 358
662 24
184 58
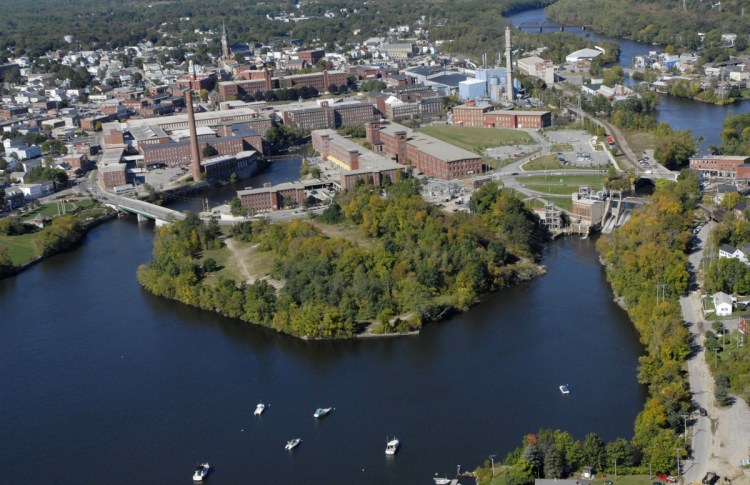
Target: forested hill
36 27
659 21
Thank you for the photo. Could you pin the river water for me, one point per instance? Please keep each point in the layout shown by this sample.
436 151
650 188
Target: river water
703 119
103 383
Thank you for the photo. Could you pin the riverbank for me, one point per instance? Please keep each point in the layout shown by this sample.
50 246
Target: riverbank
62 233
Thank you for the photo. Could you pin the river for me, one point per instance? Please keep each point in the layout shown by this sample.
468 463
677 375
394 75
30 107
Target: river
704 119
104 383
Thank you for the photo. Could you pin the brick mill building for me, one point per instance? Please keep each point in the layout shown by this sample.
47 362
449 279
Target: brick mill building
261 81
273 198
357 163
328 115
433 157
481 116
723 166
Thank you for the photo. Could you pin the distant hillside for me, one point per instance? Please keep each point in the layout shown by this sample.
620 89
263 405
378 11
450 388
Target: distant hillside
659 21
36 27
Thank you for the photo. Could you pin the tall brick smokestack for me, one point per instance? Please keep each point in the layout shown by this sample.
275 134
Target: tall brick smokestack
195 155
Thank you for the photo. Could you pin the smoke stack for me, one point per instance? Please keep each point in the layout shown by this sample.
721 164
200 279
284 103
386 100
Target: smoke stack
509 64
195 156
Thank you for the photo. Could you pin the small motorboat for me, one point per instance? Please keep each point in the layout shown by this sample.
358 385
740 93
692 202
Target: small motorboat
200 472
259 409
564 389
320 412
292 444
391 446
441 480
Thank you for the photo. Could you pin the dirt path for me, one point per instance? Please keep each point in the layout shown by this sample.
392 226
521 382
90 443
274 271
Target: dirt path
239 255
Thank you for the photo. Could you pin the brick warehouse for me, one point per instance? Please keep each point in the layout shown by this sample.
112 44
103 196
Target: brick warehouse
247 88
481 116
433 157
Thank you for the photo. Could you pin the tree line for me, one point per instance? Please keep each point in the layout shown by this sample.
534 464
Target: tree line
422 263
646 265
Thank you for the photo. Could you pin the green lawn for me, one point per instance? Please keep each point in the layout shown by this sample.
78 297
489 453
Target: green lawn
574 180
478 138
552 189
48 210
20 248
550 162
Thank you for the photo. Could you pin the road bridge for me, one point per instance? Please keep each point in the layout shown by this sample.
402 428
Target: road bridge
144 210
542 26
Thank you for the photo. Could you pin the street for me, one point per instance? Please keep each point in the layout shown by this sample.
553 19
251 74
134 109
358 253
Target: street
719 440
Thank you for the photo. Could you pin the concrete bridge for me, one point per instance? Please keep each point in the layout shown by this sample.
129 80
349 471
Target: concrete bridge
144 210
668 175
541 26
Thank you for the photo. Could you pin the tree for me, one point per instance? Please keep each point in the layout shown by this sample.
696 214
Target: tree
594 452
209 151
553 464
333 89
619 453
355 131
613 76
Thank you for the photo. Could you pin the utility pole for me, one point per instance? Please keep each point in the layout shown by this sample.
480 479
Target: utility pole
678 461
492 459
685 429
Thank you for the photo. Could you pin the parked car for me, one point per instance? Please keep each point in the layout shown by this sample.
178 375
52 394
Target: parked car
710 478
702 412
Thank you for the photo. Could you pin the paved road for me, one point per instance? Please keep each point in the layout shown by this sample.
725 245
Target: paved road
721 439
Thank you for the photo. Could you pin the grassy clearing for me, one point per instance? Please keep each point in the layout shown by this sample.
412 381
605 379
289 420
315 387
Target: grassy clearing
477 139
49 210
624 480
345 231
545 162
252 263
640 141
575 180
561 147
21 249
553 189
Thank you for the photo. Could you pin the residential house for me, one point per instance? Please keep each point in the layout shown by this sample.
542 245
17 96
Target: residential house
722 304
728 251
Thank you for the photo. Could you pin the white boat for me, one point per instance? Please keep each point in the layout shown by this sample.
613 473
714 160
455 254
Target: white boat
564 389
259 409
292 444
320 412
391 446
442 480
200 472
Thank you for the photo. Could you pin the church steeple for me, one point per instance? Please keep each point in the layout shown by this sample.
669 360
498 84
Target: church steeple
226 53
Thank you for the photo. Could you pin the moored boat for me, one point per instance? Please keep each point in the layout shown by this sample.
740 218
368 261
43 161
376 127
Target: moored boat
200 472
259 409
292 444
320 412
392 446
564 389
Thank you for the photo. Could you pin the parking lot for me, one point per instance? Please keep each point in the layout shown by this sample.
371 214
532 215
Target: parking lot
582 154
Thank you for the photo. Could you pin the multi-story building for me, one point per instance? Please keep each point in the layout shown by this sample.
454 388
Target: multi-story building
467 115
312 56
114 175
264 199
724 166
241 90
242 165
429 155
537 67
325 115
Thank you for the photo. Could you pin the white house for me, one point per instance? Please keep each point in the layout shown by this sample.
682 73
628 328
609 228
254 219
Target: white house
722 304
727 251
